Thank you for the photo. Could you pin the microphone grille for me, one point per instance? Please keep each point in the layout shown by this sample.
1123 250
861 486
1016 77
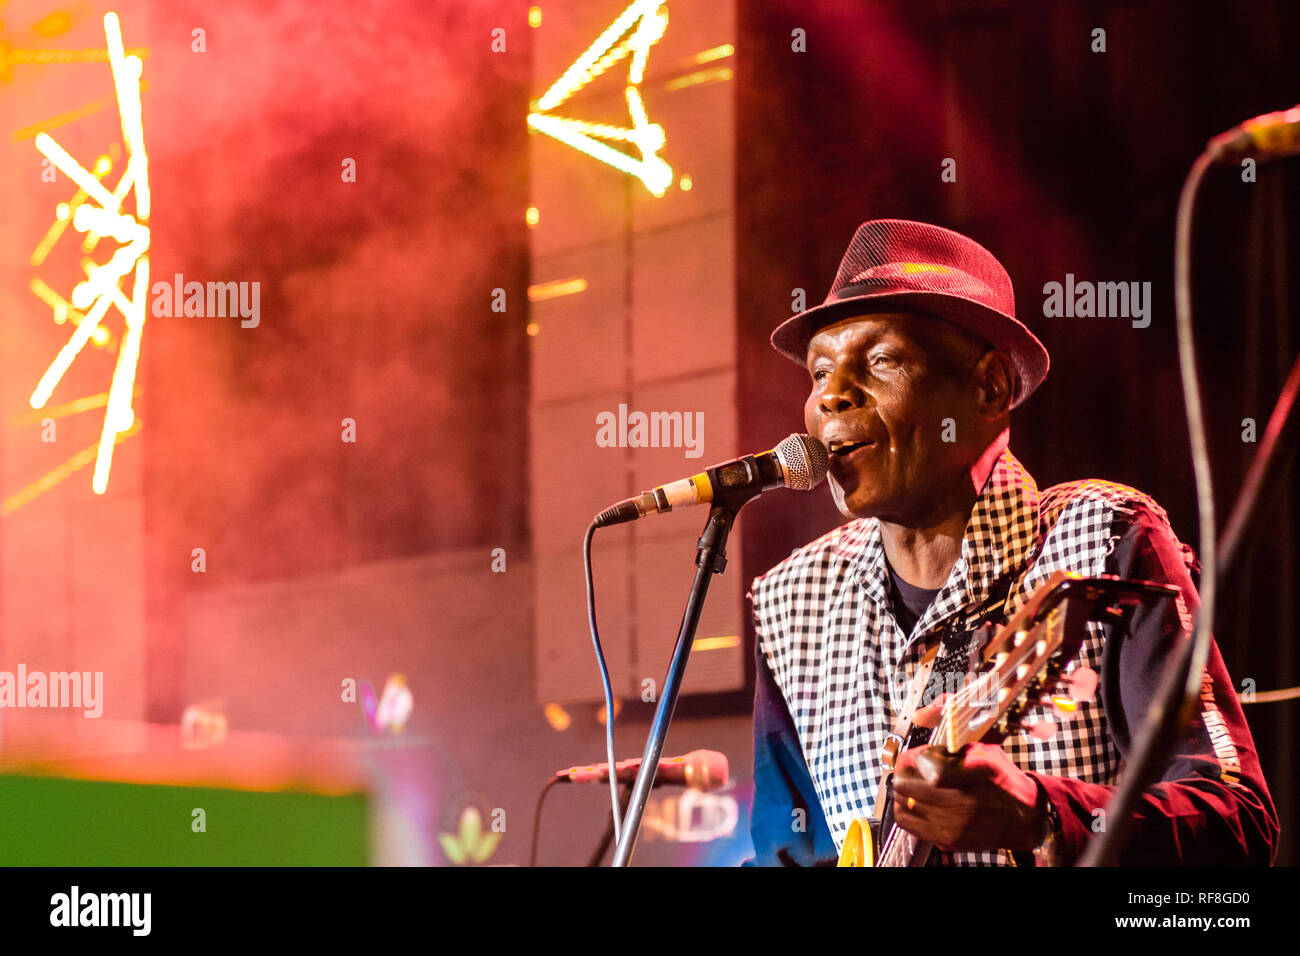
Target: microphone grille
805 461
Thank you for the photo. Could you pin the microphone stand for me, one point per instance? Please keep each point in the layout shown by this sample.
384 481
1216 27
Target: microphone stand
623 795
711 559
1172 708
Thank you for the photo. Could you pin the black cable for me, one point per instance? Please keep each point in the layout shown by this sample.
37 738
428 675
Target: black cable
1180 684
1195 427
537 818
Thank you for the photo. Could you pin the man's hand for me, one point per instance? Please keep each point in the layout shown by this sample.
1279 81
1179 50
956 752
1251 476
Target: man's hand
975 800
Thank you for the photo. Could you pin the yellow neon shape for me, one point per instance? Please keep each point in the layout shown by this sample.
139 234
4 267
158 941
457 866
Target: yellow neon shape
632 33
556 288
53 477
128 69
717 74
74 407
714 53
716 643
74 170
101 284
61 119
74 345
119 417
655 173
62 56
63 311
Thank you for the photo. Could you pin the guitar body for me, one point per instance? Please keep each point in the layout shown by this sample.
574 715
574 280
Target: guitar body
863 846
1023 667
859 844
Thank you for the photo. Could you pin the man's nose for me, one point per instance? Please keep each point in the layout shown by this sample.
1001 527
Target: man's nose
840 393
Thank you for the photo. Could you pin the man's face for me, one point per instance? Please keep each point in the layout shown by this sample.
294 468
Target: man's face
883 386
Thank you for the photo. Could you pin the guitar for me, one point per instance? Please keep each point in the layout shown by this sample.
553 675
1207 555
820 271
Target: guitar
1022 666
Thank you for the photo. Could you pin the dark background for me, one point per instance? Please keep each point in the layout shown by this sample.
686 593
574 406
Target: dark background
1068 161
329 560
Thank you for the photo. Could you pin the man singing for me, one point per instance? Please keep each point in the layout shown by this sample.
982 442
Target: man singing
916 360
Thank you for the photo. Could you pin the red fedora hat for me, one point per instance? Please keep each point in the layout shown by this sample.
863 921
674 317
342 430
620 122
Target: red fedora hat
899 265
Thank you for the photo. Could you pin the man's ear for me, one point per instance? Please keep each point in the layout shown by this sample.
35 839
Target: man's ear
994 377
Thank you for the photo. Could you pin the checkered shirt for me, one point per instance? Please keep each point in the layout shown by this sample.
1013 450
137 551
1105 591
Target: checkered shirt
825 623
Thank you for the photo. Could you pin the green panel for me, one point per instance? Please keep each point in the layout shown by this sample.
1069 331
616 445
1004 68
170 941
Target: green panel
47 821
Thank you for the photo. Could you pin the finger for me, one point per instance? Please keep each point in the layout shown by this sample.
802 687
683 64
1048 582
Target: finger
923 826
905 766
936 765
942 769
927 796
928 716
913 821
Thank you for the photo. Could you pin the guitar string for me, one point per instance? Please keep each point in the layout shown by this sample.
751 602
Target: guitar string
958 704
945 731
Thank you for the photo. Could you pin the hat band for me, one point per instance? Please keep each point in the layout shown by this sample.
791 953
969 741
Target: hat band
907 277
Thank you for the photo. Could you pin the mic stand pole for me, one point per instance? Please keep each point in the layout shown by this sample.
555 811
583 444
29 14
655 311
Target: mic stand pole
1266 471
1173 706
1171 709
710 560
624 793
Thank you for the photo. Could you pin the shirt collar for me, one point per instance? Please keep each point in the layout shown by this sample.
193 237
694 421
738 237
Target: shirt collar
1002 529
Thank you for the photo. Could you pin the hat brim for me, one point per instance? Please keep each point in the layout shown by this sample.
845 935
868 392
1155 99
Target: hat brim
1004 332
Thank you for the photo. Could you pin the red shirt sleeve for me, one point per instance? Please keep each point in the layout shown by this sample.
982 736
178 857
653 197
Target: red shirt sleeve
1212 806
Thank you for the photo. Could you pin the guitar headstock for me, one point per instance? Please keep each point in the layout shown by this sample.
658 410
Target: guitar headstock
1026 660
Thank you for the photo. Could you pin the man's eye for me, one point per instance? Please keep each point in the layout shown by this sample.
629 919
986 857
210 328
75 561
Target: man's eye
820 374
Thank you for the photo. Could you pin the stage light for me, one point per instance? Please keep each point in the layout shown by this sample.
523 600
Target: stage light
618 709
654 172
100 289
632 34
686 183
532 216
63 311
532 328
61 222
719 74
716 643
74 407
557 717
534 17
73 169
119 415
716 53
63 360
56 475
555 289
54 24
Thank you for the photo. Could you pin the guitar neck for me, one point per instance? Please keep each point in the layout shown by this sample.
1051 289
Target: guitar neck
1020 667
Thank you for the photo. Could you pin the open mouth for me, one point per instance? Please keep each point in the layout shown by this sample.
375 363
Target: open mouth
846 447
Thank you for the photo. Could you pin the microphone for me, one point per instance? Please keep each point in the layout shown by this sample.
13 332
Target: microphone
703 770
799 462
1271 136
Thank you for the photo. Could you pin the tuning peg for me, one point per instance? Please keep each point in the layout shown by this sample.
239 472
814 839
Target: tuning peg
1081 683
1042 730
1063 705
